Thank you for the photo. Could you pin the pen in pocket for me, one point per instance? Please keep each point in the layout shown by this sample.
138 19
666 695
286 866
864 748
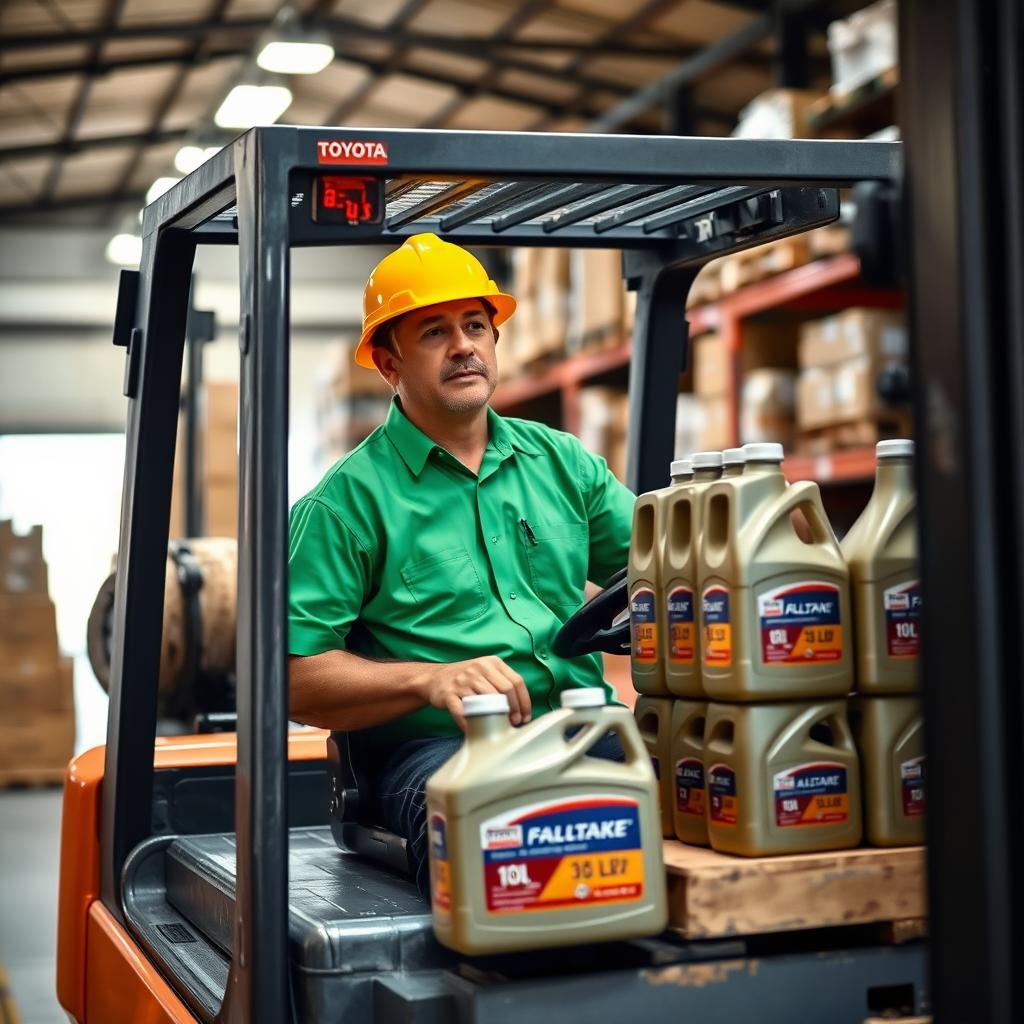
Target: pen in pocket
530 535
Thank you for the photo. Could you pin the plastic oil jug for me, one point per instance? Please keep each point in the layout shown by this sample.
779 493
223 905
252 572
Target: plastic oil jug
679 575
890 737
534 844
881 551
774 608
654 720
733 461
781 778
646 596
689 810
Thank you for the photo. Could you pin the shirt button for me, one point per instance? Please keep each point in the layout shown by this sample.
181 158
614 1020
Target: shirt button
512 595
543 654
494 540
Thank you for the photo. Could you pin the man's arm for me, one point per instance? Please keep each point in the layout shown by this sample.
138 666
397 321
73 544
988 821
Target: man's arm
341 691
610 512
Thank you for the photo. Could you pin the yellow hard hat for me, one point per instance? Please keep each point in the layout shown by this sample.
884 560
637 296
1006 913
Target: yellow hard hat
424 270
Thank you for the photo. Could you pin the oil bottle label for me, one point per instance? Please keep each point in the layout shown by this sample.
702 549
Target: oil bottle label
440 878
915 804
717 649
725 805
682 631
811 794
643 625
690 786
800 624
563 853
903 619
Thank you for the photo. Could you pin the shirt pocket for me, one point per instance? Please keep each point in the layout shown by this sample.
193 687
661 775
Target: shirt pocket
558 563
447 585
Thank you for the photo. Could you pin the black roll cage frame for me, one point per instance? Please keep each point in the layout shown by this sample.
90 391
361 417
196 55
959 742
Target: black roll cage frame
671 205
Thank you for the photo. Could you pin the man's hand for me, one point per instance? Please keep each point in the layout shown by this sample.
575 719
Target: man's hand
446 685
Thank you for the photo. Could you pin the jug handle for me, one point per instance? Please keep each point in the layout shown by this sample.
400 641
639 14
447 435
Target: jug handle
593 730
802 496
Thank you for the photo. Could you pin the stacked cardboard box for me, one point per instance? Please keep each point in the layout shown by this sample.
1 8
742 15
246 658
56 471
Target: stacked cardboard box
541 288
863 46
598 298
841 358
604 418
220 459
37 727
713 371
776 114
218 463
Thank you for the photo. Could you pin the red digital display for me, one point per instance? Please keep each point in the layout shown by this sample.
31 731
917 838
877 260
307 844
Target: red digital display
346 199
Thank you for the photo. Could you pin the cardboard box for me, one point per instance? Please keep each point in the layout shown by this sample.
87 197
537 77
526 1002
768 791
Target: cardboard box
525 272
863 46
815 398
767 407
221 499
688 425
27 685
712 366
855 386
36 740
776 114
598 294
716 428
854 332
28 623
22 569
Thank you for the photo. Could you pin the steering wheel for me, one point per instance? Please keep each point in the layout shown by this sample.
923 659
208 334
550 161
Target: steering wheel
591 628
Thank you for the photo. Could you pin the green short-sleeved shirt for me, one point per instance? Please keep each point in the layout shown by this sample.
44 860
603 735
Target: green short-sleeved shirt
402 553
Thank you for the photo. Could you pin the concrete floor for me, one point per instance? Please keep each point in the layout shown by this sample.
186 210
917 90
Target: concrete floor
29 858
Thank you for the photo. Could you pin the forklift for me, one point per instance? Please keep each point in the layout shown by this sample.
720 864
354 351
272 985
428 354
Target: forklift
242 878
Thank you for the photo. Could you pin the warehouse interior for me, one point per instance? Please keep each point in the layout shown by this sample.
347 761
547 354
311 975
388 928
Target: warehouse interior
807 332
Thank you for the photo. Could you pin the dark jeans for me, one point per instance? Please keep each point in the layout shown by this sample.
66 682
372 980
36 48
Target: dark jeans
400 791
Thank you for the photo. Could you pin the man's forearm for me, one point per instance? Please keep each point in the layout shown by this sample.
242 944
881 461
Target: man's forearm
340 690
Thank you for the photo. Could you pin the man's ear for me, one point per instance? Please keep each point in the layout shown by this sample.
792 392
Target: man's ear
496 334
386 363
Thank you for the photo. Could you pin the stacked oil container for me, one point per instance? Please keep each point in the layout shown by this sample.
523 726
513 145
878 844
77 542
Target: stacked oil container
748 621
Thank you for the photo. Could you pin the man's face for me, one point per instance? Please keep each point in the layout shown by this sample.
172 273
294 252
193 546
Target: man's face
443 357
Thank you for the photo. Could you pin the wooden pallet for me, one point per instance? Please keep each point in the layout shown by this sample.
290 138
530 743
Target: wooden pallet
31 778
714 895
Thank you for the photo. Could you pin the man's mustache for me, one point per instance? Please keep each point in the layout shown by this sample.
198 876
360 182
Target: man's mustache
475 365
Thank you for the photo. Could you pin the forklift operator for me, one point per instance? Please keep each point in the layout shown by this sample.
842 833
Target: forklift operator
439 558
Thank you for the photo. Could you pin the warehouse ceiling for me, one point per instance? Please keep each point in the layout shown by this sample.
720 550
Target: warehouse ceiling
97 96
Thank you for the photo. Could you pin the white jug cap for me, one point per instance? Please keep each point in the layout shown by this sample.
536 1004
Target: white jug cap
733 457
584 697
763 451
895 448
682 467
706 460
485 704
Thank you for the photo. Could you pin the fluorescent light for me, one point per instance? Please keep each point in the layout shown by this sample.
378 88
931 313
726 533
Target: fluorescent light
124 250
188 158
159 187
290 57
249 105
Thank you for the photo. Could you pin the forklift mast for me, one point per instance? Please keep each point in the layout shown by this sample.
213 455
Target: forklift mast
670 205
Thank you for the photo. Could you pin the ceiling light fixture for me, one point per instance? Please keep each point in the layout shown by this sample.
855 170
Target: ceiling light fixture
307 55
124 250
188 158
249 105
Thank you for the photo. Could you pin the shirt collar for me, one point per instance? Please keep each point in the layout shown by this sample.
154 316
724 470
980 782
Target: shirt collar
415 447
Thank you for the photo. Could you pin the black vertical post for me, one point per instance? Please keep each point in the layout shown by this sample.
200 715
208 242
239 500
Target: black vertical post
660 347
791 59
152 384
678 117
200 328
962 90
258 980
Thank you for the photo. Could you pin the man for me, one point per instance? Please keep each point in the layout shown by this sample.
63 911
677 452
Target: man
439 558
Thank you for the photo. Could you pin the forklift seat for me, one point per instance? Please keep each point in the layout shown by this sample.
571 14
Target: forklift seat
350 811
